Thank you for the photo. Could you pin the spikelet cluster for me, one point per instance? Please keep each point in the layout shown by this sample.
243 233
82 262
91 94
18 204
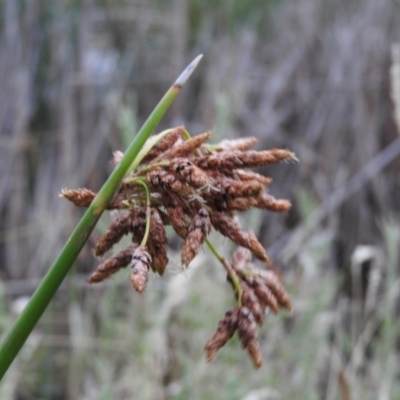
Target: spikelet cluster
193 186
258 291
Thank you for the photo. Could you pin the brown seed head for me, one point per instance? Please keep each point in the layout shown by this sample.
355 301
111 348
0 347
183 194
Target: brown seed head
247 326
198 230
225 330
238 144
271 280
161 179
250 176
164 144
157 243
112 265
229 160
185 148
120 227
252 302
235 188
231 229
140 264
79 197
268 202
189 173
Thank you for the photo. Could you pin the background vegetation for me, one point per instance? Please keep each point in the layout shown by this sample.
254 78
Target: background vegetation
78 77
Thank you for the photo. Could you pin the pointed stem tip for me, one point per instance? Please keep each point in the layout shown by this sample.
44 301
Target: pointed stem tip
184 76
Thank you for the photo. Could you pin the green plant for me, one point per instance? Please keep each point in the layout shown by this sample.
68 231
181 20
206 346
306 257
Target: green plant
56 274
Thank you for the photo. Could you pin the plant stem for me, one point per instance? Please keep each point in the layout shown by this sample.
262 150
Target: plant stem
229 270
40 299
148 211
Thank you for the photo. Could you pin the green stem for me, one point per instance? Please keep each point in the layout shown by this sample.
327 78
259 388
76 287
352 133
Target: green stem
231 273
40 299
147 230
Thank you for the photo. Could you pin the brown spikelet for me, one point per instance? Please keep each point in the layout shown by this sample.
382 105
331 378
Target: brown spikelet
235 188
120 227
84 197
164 144
79 197
189 173
250 300
266 296
253 348
270 279
161 179
157 243
228 160
140 264
268 202
230 228
238 204
112 265
185 148
225 330
174 207
247 331
250 176
239 144
198 230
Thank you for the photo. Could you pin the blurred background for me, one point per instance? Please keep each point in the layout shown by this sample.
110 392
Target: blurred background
319 77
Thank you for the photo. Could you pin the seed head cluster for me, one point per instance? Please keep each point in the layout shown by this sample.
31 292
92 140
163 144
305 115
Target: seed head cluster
193 186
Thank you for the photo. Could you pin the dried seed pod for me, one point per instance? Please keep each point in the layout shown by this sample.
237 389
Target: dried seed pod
266 296
161 179
244 159
264 201
230 228
112 265
225 330
185 148
268 202
250 300
238 144
84 197
235 188
189 173
120 227
250 176
253 348
79 197
239 204
140 265
164 144
174 206
247 326
157 243
198 230
273 283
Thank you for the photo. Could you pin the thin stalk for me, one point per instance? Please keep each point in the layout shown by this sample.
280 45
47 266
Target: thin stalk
147 230
231 273
40 299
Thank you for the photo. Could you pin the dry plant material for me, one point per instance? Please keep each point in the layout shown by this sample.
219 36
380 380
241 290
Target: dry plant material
193 186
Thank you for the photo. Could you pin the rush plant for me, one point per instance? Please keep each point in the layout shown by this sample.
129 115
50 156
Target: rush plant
25 323
195 186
